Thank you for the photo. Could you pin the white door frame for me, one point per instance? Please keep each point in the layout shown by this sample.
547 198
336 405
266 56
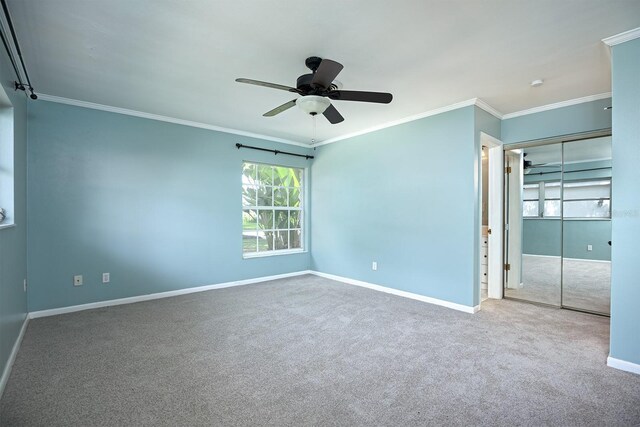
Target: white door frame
495 209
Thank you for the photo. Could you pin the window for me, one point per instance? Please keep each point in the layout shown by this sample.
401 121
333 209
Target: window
6 162
272 209
530 203
587 199
548 192
581 199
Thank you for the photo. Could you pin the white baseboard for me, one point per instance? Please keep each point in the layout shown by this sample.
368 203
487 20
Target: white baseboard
623 365
148 297
443 303
565 258
12 356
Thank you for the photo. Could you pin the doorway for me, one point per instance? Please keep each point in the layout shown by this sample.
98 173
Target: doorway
490 213
558 223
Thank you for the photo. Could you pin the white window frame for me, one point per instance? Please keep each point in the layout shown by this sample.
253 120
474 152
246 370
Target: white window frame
7 200
301 209
589 182
541 199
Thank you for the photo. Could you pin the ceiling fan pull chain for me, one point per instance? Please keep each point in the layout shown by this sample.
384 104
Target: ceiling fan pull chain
313 140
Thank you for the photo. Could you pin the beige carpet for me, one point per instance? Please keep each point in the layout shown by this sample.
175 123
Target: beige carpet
586 284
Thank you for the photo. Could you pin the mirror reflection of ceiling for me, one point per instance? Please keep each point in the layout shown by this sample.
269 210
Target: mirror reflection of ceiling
574 152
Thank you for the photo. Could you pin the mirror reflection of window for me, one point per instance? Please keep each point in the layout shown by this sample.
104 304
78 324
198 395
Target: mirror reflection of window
587 199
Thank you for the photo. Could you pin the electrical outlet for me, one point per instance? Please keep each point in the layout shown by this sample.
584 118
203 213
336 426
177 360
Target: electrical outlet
374 265
77 280
589 247
106 277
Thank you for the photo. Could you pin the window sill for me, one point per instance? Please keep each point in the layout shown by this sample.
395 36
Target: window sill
273 253
3 226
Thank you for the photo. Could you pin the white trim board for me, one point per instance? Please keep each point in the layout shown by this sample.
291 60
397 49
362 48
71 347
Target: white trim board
68 101
622 37
469 102
159 295
127 112
495 165
473 101
12 356
623 365
571 259
410 295
488 108
557 105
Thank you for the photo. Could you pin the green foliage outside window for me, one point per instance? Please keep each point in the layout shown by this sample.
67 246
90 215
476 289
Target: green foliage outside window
272 198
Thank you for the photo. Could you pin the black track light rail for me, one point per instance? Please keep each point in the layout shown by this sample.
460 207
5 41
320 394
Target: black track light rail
276 152
19 85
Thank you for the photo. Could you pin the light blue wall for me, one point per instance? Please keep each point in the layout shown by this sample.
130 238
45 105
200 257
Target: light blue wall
585 117
579 234
543 237
404 197
625 280
13 241
155 204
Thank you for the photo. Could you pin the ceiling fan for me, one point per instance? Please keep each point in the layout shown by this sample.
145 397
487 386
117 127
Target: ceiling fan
318 88
528 165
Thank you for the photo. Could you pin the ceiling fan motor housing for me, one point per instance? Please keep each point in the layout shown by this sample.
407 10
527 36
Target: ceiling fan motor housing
304 84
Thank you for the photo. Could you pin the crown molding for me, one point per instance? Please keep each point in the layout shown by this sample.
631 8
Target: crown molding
118 110
489 109
473 101
469 102
557 105
398 122
622 37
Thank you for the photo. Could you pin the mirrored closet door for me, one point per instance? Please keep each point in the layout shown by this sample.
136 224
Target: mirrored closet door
558 224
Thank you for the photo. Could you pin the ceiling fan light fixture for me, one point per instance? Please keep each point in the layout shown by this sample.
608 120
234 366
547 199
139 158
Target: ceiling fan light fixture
313 104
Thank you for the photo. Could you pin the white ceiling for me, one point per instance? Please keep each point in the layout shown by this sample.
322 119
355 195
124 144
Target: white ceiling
179 58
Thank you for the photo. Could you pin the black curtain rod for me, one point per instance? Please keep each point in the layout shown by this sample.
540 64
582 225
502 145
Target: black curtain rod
239 146
573 171
19 84
15 40
6 46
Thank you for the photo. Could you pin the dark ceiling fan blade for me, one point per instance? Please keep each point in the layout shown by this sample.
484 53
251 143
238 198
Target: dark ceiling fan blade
267 84
333 115
280 109
354 95
326 73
